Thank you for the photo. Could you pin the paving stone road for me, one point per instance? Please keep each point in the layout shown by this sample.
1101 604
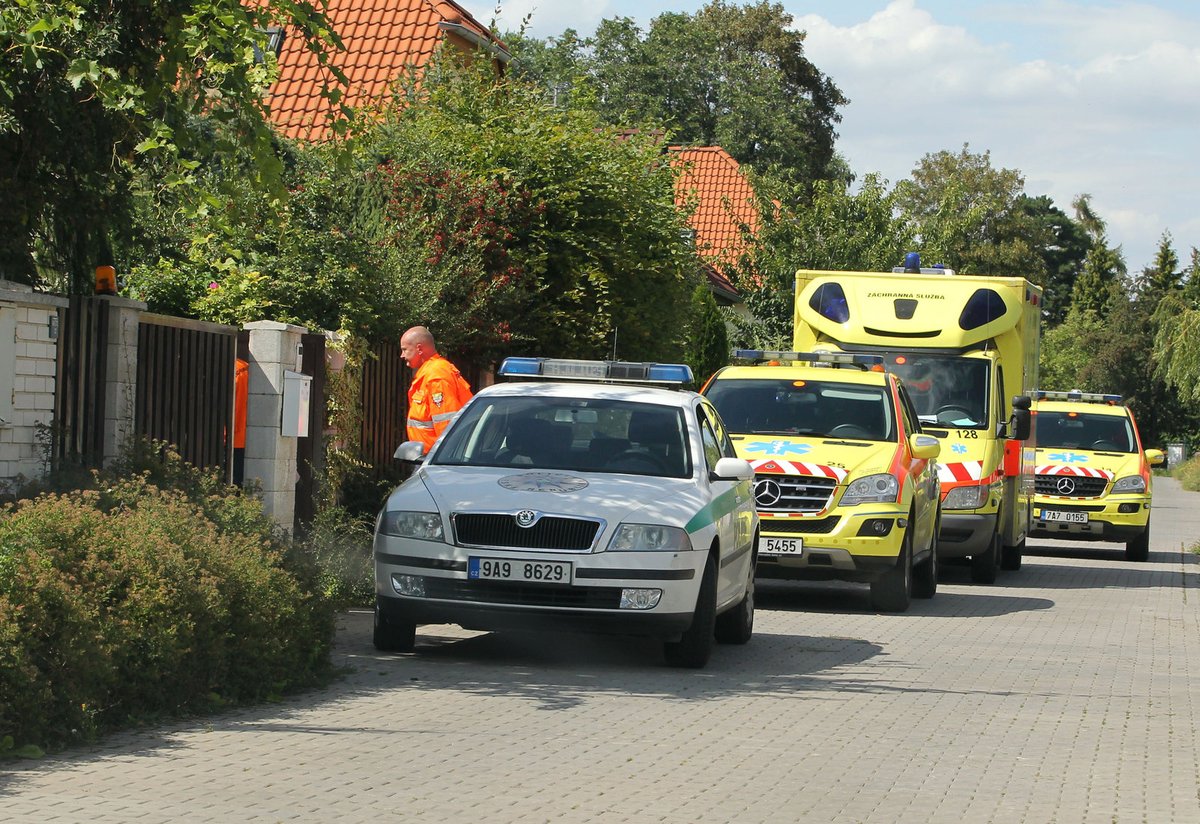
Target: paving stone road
1067 693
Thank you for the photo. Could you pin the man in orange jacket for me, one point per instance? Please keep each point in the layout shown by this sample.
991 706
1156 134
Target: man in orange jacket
437 390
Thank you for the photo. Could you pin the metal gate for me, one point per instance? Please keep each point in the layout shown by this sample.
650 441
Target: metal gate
185 388
79 385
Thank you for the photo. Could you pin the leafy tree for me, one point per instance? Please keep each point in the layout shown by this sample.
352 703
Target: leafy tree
969 215
1161 277
592 243
87 90
1191 280
707 347
1098 286
1063 256
729 75
827 226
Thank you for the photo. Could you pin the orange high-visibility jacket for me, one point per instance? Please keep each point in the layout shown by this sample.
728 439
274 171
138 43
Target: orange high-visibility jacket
436 394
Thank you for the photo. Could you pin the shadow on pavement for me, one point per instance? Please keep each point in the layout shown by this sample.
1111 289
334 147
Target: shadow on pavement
854 599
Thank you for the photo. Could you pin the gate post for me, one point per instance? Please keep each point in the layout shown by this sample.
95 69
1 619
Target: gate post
120 377
270 456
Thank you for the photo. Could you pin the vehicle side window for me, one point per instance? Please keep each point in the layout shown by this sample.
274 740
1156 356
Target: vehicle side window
723 439
709 440
911 422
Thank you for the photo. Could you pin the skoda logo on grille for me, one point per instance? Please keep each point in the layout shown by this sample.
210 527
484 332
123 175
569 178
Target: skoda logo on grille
767 492
1065 486
526 518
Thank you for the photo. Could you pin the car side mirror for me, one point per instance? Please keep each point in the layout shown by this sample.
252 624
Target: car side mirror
925 447
410 452
1021 422
731 469
1155 457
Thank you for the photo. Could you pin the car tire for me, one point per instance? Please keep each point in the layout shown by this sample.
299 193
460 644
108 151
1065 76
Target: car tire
1139 548
392 635
925 574
892 591
985 564
694 648
1010 557
735 626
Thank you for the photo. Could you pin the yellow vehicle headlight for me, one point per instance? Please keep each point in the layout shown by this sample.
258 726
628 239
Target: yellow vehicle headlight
881 488
967 497
1130 483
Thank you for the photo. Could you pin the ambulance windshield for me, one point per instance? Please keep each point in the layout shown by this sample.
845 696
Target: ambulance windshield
822 409
946 390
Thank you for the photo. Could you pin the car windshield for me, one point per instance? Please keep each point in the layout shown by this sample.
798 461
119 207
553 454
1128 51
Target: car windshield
1079 430
823 409
577 434
946 390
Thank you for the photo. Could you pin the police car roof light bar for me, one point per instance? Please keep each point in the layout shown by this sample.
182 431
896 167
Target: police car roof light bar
820 358
595 370
1075 395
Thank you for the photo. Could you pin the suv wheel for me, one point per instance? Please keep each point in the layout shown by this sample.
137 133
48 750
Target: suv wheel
892 591
392 635
1010 557
1139 548
925 574
694 648
985 564
735 626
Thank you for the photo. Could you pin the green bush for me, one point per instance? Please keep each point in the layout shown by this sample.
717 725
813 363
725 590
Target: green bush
1188 473
129 600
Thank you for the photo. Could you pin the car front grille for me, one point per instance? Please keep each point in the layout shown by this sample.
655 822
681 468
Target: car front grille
815 526
531 595
1084 487
792 493
500 530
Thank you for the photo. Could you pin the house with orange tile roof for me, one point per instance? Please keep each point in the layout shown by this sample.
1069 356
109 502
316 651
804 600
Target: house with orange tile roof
383 39
724 204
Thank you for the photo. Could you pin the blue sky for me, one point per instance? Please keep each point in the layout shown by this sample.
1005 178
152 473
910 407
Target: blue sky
1095 96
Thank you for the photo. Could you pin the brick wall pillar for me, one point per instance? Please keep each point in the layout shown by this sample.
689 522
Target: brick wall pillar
270 457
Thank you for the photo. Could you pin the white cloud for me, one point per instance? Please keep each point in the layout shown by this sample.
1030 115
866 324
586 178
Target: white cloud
1109 106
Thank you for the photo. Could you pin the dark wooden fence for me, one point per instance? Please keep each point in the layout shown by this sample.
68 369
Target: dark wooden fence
185 388
310 449
81 374
384 398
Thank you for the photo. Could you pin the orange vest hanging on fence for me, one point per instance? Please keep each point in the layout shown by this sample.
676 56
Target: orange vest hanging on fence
241 399
435 395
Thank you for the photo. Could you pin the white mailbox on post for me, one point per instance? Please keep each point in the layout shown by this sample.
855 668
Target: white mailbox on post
297 389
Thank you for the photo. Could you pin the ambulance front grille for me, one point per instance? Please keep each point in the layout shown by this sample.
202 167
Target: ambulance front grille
1070 486
792 493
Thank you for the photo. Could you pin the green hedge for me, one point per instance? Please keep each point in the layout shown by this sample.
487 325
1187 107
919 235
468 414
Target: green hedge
1188 473
130 600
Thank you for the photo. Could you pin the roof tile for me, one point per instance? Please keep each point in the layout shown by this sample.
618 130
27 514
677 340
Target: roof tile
724 200
381 37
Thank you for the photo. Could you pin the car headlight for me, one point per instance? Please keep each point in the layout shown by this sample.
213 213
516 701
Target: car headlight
427 526
872 489
1130 483
967 497
648 538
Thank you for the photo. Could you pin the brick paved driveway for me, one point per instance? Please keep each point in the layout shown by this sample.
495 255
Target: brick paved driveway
1067 693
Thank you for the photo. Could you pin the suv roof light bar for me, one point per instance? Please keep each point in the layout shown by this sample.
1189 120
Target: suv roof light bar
1075 395
864 362
596 371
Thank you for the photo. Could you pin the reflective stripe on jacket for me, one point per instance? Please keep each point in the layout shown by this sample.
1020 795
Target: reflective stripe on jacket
436 394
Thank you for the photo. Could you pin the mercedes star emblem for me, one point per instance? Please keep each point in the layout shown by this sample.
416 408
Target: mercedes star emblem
1065 486
767 492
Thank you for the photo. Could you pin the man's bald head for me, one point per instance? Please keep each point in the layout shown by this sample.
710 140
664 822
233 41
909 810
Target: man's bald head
417 346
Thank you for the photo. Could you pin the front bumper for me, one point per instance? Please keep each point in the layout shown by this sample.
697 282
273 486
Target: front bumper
589 603
832 545
965 534
1105 520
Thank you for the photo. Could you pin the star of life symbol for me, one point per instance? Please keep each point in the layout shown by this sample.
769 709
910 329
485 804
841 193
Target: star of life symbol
959 449
1068 457
779 447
